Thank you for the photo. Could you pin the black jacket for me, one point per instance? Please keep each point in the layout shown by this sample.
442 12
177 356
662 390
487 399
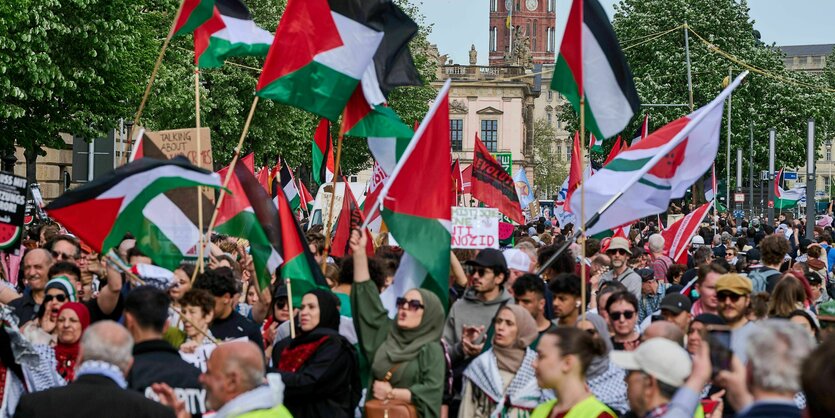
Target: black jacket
157 361
235 326
326 385
90 396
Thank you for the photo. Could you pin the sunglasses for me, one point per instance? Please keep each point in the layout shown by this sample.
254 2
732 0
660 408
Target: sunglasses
619 251
728 295
59 298
626 315
409 304
481 271
281 303
63 256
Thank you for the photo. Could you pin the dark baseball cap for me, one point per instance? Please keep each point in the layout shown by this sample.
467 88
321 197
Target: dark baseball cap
676 303
489 257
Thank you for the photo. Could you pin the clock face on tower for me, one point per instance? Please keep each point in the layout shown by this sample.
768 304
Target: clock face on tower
508 5
531 4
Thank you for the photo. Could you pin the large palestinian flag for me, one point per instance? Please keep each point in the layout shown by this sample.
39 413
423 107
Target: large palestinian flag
654 171
193 13
299 265
323 165
787 199
417 208
249 213
230 32
130 199
591 64
321 50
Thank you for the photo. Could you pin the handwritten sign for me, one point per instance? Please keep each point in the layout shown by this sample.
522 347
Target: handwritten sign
174 142
475 228
12 209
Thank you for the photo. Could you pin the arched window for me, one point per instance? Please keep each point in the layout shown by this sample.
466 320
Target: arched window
493 5
533 36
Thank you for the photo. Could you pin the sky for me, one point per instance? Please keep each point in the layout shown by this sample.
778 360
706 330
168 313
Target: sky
784 22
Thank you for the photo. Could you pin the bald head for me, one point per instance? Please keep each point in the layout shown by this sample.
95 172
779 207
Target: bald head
234 368
110 342
664 329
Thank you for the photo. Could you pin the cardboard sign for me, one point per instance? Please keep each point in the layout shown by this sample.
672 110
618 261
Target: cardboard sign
174 142
12 209
475 228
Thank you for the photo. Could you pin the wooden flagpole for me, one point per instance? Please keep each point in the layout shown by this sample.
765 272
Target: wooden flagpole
147 93
333 200
290 308
201 246
235 158
583 205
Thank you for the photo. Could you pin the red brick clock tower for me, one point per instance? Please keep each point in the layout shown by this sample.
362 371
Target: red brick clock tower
535 19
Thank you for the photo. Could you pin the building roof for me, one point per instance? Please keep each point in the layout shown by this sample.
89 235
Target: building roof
806 50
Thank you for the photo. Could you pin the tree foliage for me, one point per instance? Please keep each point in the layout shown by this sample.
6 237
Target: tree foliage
660 74
550 170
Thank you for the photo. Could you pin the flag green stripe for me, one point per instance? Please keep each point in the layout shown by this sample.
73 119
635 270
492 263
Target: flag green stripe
219 49
318 160
623 164
563 81
315 87
381 122
130 218
784 203
646 182
297 270
245 225
198 16
428 241
153 242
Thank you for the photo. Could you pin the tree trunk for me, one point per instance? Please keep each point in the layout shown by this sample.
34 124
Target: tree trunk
31 156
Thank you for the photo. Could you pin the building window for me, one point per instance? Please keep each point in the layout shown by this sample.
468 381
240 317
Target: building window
559 152
559 123
493 5
553 40
552 6
456 134
490 134
518 5
533 36
829 154
493 37
550 119
550 94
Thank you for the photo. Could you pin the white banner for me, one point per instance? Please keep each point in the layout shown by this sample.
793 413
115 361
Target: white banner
475 228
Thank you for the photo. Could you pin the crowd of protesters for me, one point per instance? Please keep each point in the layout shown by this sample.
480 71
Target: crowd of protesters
615 328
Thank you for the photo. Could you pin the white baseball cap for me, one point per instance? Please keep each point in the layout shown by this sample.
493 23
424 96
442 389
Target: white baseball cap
517 259
698 240
658 357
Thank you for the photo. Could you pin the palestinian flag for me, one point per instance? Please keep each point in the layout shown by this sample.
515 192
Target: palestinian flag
386 133
619 147
288 185
306 198
787 199
130 199
575 173
678 235
193 13
323 166
591 65
494 186
644 178
417 209
299 265
263 177
320 52
595 145
249 213
375 187
350 218
230 32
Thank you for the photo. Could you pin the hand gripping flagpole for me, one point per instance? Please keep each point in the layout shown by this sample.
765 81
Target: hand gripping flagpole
666 149
406 153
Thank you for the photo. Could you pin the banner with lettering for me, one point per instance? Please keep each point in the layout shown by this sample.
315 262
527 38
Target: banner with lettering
475 228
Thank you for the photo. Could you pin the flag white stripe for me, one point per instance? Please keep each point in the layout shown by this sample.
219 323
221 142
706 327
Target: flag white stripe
172 222
410 274
360 43
610 107
130 187
243 32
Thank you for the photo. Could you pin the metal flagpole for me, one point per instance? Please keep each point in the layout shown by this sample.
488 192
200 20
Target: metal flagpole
772 138
728 149
810 181
751 168
201 246
687 60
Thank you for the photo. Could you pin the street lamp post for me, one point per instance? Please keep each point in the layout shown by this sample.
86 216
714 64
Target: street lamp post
828 144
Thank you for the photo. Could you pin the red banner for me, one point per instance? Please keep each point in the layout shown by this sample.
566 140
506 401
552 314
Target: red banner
494 186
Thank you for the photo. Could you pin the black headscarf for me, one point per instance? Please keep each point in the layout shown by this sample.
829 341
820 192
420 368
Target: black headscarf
328 319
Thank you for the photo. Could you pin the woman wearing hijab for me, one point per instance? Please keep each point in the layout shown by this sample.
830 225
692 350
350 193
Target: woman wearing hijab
406 354
606 381
501 381
565 355
319 366
73 319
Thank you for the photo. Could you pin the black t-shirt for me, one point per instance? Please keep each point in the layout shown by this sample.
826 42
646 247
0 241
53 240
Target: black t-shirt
96 313
157 361
236 326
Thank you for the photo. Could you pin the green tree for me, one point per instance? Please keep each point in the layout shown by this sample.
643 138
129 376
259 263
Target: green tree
550 170
660 76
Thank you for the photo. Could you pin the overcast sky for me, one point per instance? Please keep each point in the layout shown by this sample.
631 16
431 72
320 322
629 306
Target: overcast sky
460 23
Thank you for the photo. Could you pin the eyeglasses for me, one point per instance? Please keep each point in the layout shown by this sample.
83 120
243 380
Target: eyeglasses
60 298
409 304
281 303
728 295
617 314
63 256
619 251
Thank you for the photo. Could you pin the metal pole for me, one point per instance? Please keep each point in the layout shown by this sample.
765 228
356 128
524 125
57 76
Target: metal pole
810 181
739 169
91 159
772 137
751 167
687 59
728 149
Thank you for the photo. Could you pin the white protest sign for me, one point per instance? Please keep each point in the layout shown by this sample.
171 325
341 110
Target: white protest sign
475 228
